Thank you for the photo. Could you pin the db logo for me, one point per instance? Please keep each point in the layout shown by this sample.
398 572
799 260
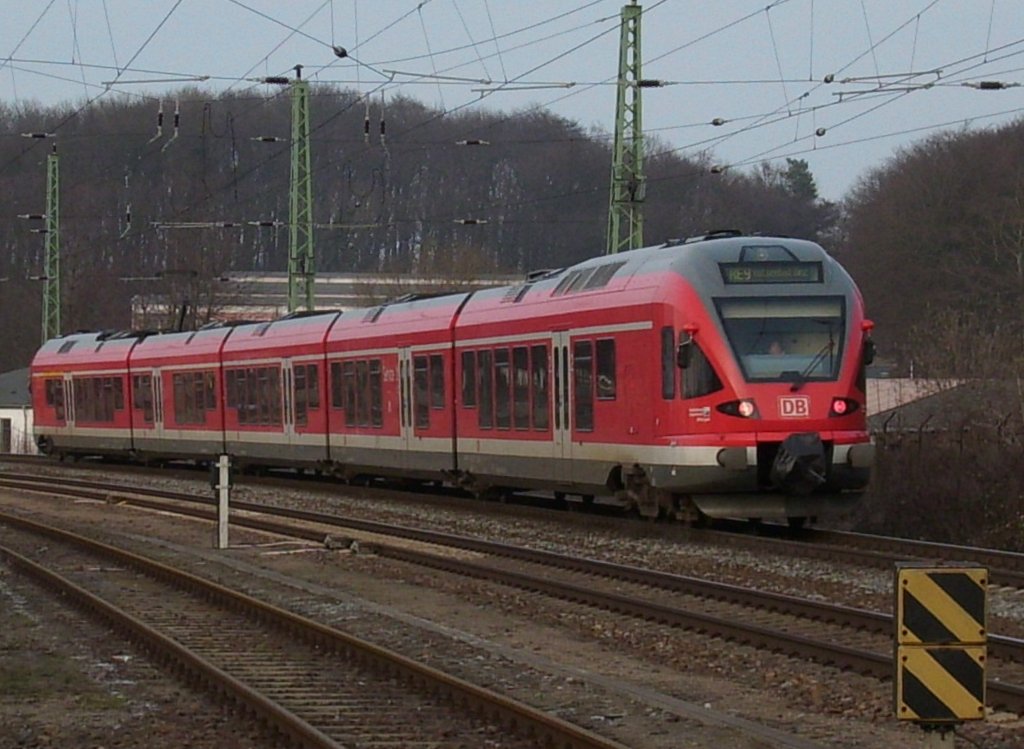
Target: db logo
794 406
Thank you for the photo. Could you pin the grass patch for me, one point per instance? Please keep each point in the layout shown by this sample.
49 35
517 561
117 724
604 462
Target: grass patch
40 675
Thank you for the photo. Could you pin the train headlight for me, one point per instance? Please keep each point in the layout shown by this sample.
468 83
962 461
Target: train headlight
843 407
745 409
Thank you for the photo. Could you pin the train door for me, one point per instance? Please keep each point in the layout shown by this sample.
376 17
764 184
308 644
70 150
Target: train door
561 400
69 385
288 400
405 398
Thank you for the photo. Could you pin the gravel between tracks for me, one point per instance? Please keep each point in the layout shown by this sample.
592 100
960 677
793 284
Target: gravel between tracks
573 661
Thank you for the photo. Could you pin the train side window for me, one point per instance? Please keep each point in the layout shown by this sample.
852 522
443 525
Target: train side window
539 386
313 385
301 401
376 394
606 369
420 385
699 378
583 385
668 362
485 380
521 387
118 394
142 396
502 388
349 369
337 390
437 399
210 385
469 379
363 393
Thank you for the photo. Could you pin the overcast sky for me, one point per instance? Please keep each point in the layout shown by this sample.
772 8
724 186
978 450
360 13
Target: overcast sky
900 69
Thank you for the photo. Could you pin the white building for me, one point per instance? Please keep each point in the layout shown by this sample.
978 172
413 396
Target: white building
16 414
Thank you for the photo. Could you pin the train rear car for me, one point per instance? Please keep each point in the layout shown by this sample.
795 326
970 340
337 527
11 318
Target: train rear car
79 387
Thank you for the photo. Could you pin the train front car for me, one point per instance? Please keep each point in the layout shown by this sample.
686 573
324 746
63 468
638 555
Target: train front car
769 343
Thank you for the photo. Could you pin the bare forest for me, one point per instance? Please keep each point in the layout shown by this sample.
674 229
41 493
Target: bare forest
935 238
536 184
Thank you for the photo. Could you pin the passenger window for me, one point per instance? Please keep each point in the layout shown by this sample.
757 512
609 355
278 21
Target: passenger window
485 378
521 387
376 394
437 399
539 386
469 379
583 385
502 384
420 382
337 399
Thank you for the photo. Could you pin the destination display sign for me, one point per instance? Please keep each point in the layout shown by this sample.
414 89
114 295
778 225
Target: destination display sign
771 272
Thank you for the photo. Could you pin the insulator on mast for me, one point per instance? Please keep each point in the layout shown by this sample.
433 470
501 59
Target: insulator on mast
177 121
159 122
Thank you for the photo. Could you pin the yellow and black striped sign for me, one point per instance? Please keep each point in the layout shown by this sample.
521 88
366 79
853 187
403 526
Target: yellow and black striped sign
940 643
940 605
940 684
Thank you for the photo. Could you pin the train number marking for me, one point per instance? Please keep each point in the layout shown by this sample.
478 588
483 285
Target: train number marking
701 414
794 406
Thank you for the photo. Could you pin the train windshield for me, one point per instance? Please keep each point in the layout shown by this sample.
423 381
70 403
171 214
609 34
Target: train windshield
788 339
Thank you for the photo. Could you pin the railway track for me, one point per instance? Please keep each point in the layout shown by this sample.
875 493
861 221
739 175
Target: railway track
315 685
835 635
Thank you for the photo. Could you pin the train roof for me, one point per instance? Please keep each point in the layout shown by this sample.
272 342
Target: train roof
722 263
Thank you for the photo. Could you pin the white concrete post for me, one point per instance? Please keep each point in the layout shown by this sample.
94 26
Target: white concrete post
223 495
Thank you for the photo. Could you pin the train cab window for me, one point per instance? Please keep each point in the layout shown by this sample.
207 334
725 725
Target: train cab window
699 377
539 386
605 369
437 399
469 379
668 362
485 389
583 385
521 387
502 389
786 339
420 396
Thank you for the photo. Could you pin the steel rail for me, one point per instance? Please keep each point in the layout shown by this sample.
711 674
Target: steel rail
482 702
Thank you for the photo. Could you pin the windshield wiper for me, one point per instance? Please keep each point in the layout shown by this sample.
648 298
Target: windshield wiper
824 351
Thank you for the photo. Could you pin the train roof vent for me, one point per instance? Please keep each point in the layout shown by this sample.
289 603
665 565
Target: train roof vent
766 253
374 314
66 346
262 329
587 279
714 234
602 275
516 293
542 273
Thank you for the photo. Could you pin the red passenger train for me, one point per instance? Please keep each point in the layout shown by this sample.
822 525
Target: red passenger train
722 375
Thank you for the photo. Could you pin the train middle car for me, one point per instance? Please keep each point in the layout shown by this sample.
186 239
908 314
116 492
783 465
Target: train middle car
722 376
